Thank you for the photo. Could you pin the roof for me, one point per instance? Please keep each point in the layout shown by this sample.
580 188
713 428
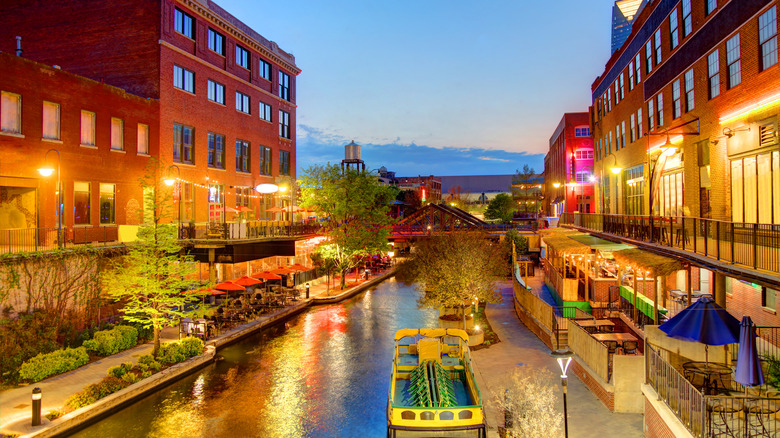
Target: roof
562 245
639 259
599 243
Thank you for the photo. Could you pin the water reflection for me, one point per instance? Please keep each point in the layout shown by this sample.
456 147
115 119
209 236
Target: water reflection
321 374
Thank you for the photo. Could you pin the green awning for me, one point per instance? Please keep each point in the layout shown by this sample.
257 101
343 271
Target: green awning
599 243
644 304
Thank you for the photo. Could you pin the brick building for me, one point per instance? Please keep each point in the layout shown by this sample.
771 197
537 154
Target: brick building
226 95
428 188
102 137
569 166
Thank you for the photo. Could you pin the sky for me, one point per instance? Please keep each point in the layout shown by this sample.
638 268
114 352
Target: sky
435 87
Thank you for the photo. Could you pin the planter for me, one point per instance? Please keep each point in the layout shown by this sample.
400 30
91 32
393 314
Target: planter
458 324
477 338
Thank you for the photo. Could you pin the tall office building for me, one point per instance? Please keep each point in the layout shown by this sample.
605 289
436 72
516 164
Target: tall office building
623 13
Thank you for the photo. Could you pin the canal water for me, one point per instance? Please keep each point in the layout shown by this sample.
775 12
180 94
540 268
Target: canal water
323 373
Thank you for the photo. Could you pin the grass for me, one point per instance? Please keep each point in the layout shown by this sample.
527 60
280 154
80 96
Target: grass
481 320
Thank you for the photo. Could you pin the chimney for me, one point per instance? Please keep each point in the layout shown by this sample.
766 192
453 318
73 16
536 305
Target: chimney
18 46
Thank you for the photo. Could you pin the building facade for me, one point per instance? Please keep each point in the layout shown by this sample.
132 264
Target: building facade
428 188
226 95
568 167
623 13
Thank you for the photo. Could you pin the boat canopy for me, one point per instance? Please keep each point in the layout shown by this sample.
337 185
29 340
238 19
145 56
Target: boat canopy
432 333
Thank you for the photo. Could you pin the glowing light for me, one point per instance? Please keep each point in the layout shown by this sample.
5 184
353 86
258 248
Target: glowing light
46 171
769 101
661 146
615 170
266 188
169 181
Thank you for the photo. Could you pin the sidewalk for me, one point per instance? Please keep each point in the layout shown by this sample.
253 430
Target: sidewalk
519 348
16 404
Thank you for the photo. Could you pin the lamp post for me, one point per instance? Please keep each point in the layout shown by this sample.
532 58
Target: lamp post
36 407
47 171
615 171
170 181
563 356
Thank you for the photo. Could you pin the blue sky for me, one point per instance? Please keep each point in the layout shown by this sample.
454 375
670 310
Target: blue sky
432 86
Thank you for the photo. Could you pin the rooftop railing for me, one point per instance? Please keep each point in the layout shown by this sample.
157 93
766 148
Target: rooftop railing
755 246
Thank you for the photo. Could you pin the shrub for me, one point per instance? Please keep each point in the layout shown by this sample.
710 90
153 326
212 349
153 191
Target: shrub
146 359
95 392
127 366
131 378
108 342
171 353
117 371
192 346
143 367
56 362
156 366
23 338
146 374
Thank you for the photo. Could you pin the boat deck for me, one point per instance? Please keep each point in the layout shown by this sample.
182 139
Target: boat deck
403 397
412 360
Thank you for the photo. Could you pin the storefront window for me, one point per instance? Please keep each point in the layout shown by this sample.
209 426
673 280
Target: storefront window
107 210
748 203
81 203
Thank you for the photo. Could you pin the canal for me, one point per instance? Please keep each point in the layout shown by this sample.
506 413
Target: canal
323 373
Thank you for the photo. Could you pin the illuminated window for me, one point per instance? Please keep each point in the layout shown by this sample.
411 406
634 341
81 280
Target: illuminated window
583 154
10 112
117 134
81 204
767 38
242 156
689 102
143 139
674 31
87 128
734 66
582 131
583 176
107 204
51 121
183 79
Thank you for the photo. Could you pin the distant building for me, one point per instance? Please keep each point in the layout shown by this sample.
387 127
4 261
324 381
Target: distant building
623 13
568 167
475 189
428 188
528 192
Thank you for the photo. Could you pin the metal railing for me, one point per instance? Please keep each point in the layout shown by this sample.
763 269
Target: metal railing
755 246
47 239
560 322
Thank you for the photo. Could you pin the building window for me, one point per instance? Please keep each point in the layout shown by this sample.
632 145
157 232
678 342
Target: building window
184 24
670 195
265 69
583 176
609 99
265 112
630 75
216 92
634 190
583 154
183 147
10 112
242 156
650 115
768 297
582 131
216 150
767 38
107 205
734 66
81 198
265 160
689 103
216 42
617 91
710 6
749 203
87 128
686 14
183 79
632 128
216 202
659 109
242 57
187 208
676 100
242 102
51 121
143 139
117 134
284 124
638 69
622 85
649 56
242 197
284 86
284 163
639 131
674 31
657 42
713 73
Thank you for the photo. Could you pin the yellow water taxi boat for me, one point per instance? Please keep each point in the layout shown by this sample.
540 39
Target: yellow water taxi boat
432 390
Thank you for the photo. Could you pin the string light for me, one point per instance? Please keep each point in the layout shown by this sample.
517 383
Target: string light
205 187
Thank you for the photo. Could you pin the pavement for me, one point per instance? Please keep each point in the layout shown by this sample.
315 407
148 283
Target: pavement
521 349
16 404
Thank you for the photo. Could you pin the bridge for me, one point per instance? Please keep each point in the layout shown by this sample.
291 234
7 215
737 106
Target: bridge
442 218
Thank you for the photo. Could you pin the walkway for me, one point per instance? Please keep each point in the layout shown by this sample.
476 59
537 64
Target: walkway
588 417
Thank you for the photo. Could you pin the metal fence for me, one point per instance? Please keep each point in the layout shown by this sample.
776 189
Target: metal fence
47 239
755 246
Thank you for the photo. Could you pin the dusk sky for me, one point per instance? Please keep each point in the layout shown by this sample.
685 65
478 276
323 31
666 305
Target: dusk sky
432 86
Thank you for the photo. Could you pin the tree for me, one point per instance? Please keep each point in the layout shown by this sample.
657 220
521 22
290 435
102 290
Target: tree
453 269
522 182
149 280
521 242
412 201
502 207
531 401
356 207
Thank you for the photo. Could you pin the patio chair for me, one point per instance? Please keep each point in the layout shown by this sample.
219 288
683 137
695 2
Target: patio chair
611 345
630 347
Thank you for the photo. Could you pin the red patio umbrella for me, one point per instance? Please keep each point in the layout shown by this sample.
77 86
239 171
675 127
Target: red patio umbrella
299 267
229 286
282 270
246 281
275 210
205 292
266 275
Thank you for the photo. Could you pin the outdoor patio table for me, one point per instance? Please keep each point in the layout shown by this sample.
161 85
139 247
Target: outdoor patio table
710 371
619 337
598 324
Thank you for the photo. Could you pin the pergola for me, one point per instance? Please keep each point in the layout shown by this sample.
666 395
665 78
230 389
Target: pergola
649 265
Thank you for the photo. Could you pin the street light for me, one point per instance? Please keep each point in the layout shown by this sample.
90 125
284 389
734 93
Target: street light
170 181
563 356
615 171
47 171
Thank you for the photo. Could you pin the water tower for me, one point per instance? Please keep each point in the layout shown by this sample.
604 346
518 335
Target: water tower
352 158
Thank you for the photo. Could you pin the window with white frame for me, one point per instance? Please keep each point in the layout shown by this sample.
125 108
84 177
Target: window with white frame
630 75
10 112
755 188
51 120
638 69
266 157
649 56
657 42
709 6
734 66
671 195
183 79
265 112
143 139
622 85
689 102
659 109
583 176
216 42
216 92
583 154
242 57
639 131
676 100
183 23
713 73
117 134
767 38
609 99
674 31
87 128
284 86
284 124
264 70
582 131
686 14
650 115
183 147
242 102
81 202
617 92
107 204
632 128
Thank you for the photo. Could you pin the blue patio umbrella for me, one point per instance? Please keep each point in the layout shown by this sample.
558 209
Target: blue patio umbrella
748 371
703 321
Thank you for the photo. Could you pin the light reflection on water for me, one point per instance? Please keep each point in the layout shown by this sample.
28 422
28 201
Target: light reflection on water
323 373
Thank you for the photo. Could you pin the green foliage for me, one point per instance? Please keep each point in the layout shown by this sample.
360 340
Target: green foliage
117 371
131 378
192 346
171 353
502 207
150 278
146 359
56 362
108 342
94 392
145 374
356 206
23 338
521 242
772 375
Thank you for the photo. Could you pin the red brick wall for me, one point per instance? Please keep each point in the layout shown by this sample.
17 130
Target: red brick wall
606 397
654 425
745 299
22 156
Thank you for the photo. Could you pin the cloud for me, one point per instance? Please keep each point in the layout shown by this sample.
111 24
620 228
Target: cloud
493 159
